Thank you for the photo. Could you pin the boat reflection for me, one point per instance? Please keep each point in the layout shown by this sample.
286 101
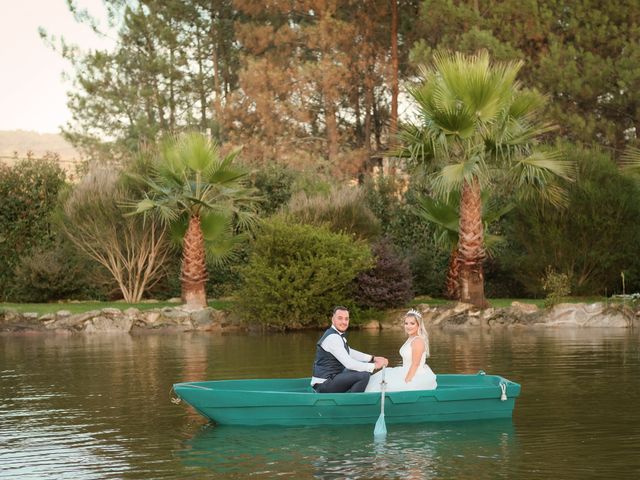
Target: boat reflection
408 451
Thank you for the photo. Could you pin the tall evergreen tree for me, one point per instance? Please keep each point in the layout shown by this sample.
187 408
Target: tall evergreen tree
302 82
173 64
583 54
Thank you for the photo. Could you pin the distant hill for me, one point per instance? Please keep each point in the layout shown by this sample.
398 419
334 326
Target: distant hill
20 142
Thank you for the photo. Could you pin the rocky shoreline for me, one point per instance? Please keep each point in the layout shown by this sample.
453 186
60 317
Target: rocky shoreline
178 319
114 320
573 315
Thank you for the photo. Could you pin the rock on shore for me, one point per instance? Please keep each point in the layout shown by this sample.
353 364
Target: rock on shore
114 320
460 315
572 315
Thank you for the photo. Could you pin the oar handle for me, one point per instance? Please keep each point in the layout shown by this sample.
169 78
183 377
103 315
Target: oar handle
383 385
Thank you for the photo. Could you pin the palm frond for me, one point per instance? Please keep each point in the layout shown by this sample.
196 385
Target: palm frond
416 144
451 178
168 166
491 212
144 205
538 175
215 224
167 214
630 161
526 104
443 214
178 228
549 162
224 249
247 221
197 152
446 216
456 120
492 243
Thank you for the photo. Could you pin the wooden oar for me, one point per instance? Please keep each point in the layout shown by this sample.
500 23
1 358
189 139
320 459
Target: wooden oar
381 428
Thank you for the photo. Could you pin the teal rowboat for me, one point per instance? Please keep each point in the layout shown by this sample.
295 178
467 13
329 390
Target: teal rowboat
293 402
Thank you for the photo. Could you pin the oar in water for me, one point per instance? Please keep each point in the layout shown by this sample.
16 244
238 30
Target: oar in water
381 428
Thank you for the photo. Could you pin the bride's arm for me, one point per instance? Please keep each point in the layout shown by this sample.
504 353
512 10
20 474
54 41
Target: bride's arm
417 349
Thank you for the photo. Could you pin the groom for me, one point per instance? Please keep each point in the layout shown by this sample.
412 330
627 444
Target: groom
337 367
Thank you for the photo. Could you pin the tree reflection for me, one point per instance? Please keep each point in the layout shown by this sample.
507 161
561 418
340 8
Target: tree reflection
409 451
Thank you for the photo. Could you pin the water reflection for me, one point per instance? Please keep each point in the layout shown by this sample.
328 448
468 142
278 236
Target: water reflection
408 452
83 406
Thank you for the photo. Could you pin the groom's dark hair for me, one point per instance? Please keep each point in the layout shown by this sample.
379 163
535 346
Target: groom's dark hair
339 307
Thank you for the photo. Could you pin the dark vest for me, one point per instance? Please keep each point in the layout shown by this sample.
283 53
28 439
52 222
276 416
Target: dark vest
326 365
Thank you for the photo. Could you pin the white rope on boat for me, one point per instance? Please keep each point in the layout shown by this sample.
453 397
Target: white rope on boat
174 399
196 386
503 388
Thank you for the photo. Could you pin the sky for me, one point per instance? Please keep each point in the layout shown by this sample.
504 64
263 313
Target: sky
32 90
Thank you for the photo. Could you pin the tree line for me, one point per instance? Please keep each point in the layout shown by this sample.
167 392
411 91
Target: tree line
313 88
315 82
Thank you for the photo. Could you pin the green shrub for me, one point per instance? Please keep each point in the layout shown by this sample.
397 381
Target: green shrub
297 273
58 272
225 280
28 195
592 240
412 235
556 285
499 279
93 217
388 284
274 184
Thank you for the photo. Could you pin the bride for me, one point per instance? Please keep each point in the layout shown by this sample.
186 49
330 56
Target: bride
414 374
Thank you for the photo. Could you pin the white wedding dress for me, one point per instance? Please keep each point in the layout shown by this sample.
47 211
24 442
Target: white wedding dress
424 379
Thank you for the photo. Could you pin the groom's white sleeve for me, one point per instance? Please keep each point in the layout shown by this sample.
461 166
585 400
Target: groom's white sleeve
361 357
335 346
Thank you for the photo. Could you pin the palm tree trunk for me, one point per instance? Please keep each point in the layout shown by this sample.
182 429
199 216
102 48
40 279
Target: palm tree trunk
194 267
452 284
471 253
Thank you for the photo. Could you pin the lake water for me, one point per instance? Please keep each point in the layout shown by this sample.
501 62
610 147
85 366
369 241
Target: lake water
98 407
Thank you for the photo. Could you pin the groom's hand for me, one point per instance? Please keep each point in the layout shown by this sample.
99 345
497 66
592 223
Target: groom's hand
380 362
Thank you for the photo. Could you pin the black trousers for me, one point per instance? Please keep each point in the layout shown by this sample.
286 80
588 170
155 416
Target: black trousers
346 381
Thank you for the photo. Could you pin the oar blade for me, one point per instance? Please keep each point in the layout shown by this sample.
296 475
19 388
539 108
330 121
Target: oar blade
380 429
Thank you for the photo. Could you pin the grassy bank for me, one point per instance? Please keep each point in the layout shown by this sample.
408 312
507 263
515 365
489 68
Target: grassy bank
494 302
505 302
79 307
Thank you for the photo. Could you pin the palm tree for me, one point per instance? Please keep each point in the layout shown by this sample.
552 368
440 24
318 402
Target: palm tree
445 216
478 128
202 196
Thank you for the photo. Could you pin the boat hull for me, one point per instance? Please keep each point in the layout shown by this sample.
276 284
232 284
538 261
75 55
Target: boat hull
292 402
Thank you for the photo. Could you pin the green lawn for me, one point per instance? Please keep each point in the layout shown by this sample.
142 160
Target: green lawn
505 302
494 302
79 307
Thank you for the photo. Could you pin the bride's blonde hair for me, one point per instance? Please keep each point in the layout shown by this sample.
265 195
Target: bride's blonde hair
422 331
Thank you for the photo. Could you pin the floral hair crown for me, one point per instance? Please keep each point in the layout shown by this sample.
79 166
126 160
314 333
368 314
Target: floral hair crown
415 313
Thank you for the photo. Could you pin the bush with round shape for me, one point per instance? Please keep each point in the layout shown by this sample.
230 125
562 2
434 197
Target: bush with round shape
297 273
